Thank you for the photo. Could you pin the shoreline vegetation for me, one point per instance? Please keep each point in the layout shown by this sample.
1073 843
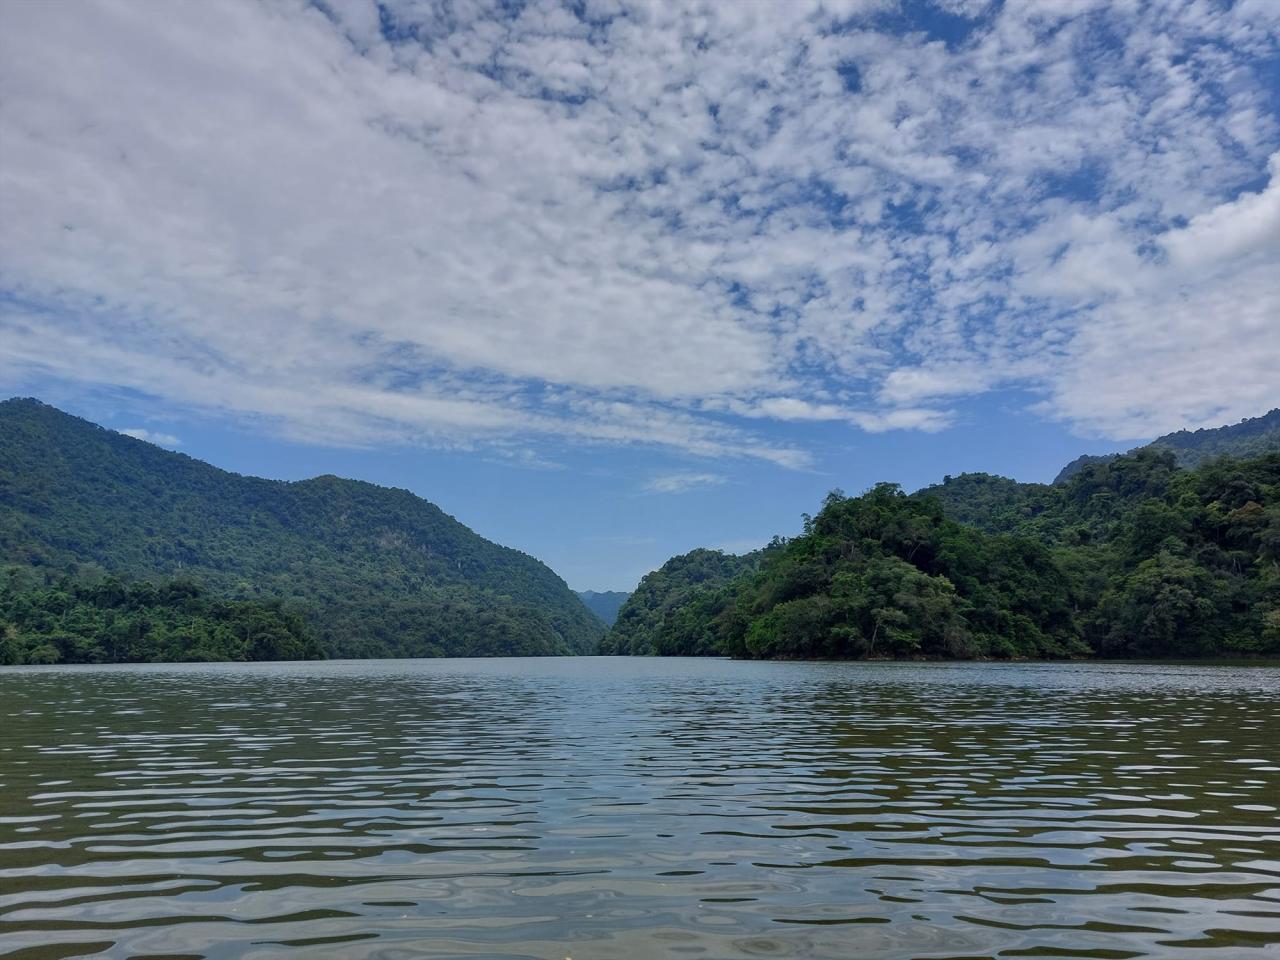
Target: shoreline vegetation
112 621
114 550
1130 557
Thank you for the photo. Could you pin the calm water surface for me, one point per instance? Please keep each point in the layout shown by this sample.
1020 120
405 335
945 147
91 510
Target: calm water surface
629 808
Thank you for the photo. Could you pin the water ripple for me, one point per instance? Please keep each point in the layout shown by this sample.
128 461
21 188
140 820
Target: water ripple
640 808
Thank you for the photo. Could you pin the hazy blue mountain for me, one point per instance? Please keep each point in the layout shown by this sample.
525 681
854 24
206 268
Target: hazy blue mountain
605 604
374 571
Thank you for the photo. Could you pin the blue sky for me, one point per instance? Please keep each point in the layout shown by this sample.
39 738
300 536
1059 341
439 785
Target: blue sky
608 280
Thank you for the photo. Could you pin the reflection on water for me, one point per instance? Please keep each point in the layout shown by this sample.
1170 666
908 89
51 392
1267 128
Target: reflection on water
640 808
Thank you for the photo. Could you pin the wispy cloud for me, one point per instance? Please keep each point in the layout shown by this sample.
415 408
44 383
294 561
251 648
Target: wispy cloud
680 225
681 482
150 436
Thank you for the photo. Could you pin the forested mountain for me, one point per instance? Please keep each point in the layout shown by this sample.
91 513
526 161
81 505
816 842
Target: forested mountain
605 604
987 501
1132 557
373 571
1251 437
671 611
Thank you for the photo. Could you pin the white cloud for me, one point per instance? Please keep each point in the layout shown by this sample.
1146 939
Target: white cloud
905 418
681 482
913 384
159 439
793 409
1188 340
676 226
1245 229
1186 356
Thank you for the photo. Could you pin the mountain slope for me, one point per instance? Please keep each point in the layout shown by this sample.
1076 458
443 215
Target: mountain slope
986 501
1251 437
605 604
670 611
1132 557
376 571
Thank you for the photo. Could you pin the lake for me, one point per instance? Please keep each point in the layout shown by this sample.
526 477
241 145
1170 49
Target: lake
632 808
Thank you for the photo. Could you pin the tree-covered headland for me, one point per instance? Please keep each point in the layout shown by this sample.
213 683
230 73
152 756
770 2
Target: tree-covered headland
1129 557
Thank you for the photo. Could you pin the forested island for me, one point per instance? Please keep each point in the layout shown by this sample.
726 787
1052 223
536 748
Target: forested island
115 550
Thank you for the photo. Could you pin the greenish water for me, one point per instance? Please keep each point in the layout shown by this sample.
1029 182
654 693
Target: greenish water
631 808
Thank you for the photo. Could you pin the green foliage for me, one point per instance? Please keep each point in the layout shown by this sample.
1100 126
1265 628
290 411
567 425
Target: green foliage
375 571
1252 437
116 622
987 501
889 575
1131 557
672 611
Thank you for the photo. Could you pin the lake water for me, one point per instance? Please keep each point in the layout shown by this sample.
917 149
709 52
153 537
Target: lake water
632 808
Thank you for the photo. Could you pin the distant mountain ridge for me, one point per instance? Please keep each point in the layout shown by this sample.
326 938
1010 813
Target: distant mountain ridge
1251 437
998 504
605 604
375 571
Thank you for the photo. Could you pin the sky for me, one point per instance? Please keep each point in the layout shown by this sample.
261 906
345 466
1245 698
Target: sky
607 280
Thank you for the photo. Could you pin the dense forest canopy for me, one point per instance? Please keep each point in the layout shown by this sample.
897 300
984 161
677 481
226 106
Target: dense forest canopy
372 571
671 610
1131 557
112 621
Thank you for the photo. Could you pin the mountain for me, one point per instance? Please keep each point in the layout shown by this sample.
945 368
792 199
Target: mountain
1082 461
669 612
374 571
1251 437
998 504
605 604
1131 557
983 500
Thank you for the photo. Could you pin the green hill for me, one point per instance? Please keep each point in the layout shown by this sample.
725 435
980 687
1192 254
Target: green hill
989 502
1251 437
605 604
670 612
374 571
1131 557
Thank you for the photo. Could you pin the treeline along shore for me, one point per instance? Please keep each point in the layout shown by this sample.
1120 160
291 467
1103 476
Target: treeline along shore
115 550
1130 557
